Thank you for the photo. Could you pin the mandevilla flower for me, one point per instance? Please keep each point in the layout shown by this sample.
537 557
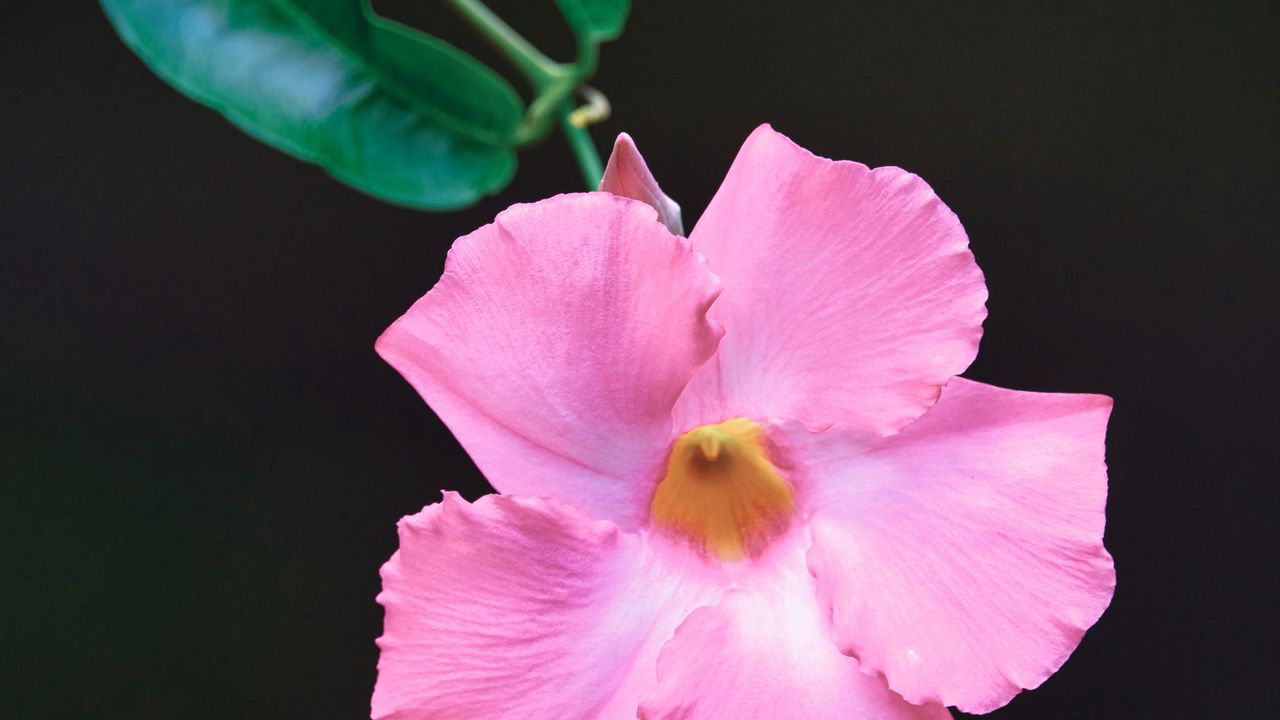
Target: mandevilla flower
727 489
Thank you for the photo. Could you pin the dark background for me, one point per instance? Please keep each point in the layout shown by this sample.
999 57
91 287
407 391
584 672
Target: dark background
203 459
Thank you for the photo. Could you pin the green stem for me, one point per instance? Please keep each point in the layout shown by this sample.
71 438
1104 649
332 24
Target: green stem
553 84
540 70
584 149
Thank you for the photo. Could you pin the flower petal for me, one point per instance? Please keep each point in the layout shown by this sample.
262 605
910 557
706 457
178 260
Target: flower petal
519 607
963 558
850 294
765 652
628 175
555 345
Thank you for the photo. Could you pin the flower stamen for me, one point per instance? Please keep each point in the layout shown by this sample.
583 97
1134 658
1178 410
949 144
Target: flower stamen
721 491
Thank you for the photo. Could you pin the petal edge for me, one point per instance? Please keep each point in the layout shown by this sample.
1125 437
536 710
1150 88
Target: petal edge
555 345
851 294
514 607
963 558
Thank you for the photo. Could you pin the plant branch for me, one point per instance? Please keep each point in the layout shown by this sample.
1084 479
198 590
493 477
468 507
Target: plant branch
540 70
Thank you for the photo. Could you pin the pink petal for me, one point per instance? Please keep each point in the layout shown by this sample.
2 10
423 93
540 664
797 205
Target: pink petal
628 175
850 294
518 607
555 346
963 558
765 652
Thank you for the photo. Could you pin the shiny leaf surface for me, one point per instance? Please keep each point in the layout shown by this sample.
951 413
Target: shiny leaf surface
595 20
388 110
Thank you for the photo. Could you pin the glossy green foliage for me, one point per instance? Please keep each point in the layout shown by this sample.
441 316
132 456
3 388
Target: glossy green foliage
595 20
388 110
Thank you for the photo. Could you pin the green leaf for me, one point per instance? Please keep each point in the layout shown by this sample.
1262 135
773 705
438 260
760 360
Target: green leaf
390 111
595 20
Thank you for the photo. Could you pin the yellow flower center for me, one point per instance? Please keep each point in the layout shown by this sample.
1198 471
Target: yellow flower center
721 491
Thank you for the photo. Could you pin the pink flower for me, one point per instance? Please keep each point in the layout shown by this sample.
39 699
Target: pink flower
723 495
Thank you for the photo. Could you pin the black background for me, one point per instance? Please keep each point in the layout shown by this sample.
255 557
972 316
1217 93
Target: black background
203 459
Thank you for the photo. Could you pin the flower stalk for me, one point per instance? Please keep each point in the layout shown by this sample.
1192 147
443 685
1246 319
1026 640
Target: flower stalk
553 84
584 149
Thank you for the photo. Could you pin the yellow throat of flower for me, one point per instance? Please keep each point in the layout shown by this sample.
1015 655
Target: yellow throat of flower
721 491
